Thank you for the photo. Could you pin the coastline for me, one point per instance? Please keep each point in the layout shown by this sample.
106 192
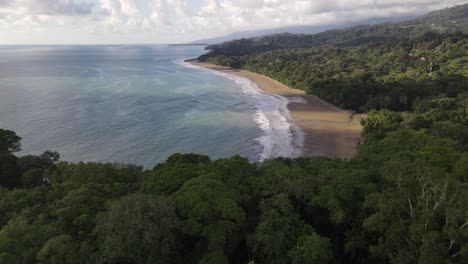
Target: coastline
324 129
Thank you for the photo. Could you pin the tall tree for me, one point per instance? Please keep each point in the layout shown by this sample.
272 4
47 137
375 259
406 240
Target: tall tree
139 229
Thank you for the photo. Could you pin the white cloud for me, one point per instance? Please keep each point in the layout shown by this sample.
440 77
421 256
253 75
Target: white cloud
5 2
52 7
106 21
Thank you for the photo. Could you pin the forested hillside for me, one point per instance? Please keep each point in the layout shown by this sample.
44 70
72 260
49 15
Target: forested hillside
363 68
377 75
449 20
401 199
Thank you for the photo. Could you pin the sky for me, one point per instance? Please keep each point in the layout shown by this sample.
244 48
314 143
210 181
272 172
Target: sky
176 21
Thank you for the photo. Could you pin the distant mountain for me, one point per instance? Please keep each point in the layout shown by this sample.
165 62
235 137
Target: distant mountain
256 33
192 44
310 29
442 21
363 67
445 20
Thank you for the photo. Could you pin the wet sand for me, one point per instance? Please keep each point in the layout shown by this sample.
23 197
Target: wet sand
328 130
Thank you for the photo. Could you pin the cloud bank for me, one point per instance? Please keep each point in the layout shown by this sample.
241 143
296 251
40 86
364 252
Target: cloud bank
163 21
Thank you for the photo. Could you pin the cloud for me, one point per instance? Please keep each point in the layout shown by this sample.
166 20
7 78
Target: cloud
225 16
5 2
53 7
182 20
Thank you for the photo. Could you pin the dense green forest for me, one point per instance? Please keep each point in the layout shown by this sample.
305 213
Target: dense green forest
401 199
387 66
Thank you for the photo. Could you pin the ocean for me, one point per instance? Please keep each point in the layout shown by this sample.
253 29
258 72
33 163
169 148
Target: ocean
135 104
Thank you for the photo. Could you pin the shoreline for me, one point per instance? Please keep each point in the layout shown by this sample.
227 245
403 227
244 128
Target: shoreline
321 128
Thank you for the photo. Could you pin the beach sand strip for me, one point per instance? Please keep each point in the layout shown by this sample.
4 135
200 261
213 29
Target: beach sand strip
328 130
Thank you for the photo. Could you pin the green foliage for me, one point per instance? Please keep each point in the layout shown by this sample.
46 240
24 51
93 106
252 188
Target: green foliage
77 210
168 177
43 161
59 199
378 123
277 230
20 240
443 117
188 159
33 178
214 258
416 209
9 173
209 210
139 229
16 201
460 169
311 249
9 141
62 249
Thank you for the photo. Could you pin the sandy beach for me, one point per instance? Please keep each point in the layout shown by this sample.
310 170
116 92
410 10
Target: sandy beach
328 130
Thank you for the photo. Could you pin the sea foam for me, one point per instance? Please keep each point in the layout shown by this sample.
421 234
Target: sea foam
280 138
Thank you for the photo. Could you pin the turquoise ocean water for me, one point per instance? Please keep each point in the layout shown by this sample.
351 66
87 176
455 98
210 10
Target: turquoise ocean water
135 104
